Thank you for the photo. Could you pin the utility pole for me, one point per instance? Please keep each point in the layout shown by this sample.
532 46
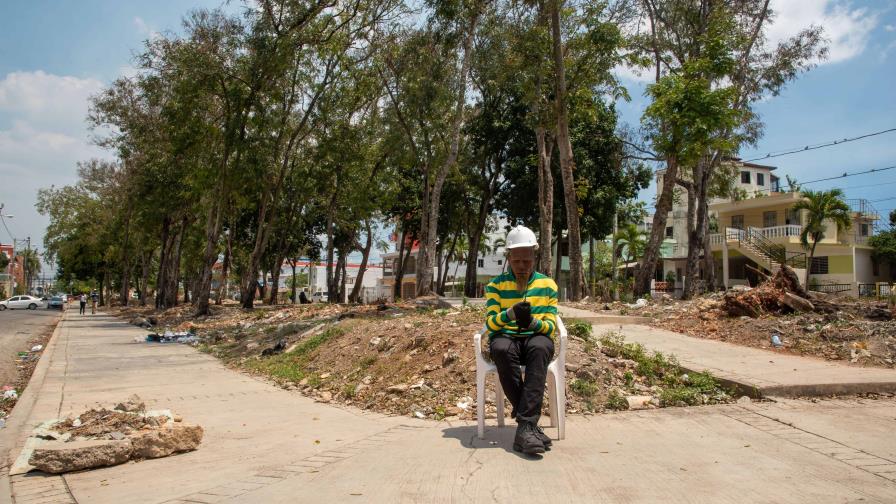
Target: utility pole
25 265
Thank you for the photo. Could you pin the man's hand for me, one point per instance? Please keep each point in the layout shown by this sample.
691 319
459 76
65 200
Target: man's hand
522 313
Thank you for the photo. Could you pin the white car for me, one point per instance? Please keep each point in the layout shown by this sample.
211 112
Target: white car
320 297
21 302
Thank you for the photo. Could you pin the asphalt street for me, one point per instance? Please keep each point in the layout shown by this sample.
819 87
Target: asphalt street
17 328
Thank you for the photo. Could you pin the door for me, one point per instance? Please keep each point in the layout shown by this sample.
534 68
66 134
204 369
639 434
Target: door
15 302
737 221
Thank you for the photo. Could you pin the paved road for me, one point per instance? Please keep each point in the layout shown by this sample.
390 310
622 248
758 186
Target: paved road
265 444
17 327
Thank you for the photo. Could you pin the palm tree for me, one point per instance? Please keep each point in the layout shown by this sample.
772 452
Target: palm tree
634 240
821 206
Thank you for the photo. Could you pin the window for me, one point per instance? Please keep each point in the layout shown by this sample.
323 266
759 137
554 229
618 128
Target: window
500 262
792 217
760 179
737 221
769 219
864 229
480 263
668 231
745 177
819 266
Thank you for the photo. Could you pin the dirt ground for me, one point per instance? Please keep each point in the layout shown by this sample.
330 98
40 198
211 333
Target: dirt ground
846 334
409 360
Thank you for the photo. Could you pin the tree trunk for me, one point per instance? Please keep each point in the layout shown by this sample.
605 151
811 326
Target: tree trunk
210 255
225 272
567 161
125 294
661 215
691 260
430 216
331 239
558 257
275 281
591 263
399 266
145 259
365 254
292 263
545 200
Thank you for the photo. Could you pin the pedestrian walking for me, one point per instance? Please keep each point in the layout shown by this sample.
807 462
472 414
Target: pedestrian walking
82 300
93 299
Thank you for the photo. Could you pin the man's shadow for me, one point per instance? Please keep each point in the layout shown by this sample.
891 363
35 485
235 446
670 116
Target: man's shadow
495 437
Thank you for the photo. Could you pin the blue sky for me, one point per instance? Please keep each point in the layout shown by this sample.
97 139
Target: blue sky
55 54
850 94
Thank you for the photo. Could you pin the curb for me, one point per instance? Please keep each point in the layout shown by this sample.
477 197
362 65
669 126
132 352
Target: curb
613 319
9 439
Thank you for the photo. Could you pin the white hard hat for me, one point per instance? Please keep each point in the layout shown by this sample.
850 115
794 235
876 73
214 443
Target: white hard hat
519 237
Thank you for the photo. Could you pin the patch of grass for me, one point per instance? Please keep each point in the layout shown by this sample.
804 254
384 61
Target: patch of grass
368 361
291 366
584 388
348 390
579 329
629 378
439 413
616 402
680 396
658 368
258 314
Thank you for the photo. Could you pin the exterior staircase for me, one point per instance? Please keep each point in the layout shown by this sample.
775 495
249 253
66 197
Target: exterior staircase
753 244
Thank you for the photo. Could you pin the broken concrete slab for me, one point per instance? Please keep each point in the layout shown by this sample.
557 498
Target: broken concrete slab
59 457
166 441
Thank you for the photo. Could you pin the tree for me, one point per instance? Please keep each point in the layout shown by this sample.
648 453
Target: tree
4 261
712 62
821 207
630 237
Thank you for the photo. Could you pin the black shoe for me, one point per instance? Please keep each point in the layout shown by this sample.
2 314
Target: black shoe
527 440
545 440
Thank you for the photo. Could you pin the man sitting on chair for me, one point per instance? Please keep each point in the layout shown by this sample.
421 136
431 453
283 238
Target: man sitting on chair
522 320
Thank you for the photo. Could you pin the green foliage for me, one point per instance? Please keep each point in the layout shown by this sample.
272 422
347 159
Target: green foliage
670 277
579 329
615 401
884 245
291 366
584 388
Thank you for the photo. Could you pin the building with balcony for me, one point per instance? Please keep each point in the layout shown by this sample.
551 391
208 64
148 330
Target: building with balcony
757 232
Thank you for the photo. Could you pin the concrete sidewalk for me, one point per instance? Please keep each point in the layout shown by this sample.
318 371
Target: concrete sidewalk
264 444
767 372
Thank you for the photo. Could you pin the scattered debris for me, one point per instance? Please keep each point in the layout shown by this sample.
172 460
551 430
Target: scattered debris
103 437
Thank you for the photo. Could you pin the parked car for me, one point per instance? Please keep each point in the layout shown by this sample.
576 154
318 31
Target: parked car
56 303
320 297
21 302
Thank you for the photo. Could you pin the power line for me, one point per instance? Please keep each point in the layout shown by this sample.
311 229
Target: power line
885 199
831 143
845 174
868 185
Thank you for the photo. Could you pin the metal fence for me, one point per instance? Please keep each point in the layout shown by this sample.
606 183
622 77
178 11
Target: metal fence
878 290
832 288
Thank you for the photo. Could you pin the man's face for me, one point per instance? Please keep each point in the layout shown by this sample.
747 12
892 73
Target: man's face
522 261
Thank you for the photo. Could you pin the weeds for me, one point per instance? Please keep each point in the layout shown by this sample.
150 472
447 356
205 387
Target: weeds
584 388
616 401
581 330
368 361
291 366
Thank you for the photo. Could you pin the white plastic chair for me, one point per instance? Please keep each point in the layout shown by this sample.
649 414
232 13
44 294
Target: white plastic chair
556 385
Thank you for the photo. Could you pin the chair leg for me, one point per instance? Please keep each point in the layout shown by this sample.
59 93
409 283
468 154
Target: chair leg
552 397
480 403
561 405
499 401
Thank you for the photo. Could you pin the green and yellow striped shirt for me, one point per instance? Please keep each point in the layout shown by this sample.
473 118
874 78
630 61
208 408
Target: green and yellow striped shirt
501 294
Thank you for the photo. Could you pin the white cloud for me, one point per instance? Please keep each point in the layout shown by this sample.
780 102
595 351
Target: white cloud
144 29
47 101
43 134
846 28
890 28
634 74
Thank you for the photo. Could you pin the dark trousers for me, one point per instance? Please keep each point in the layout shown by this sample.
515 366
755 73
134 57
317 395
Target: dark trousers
534 352
83 308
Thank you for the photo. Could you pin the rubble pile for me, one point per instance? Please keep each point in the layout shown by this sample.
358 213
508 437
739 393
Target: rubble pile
102 437
411 358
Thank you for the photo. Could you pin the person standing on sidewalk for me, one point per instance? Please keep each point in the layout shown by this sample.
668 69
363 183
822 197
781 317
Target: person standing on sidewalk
93 299
82 300
521 319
